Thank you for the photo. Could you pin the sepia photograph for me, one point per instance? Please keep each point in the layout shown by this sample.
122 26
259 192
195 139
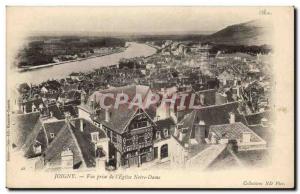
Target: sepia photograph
150 97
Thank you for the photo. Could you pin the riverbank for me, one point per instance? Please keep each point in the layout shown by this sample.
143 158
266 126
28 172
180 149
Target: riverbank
84 65
69 61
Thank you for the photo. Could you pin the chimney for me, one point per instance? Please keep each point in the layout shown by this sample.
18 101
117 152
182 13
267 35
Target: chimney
213 138
235 82
107 115
182 133
82 97
91 104
231 118
200 132
81 125
246 136
238 91
67 117
67 159
176 131
264 122
202 98
180 136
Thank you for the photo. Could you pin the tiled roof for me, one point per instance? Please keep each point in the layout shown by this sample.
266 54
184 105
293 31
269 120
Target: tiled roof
130 90
86 147
186 125
65 139
73 94
51 95
57 113
69 87
53 127
218 114
22 126
207 156
166 123
211 115
40 140
209 96
181 114
118 117
225 75
70 136
35 135
53 83
88 128
233 131
36 102
255 119
68 108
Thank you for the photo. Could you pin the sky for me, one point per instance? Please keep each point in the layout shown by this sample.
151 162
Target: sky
137 20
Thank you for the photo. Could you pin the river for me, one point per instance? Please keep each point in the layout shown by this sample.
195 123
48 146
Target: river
63 70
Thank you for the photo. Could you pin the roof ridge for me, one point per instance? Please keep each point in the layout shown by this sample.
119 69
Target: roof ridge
257 113
130 119
192 125
69 127
55 139
34 133
46 136
53 121
219 105
228 124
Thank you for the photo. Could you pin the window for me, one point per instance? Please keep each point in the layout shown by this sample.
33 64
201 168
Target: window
52 135
114 137
95 136
139 111
166 132
141 139
155 152
157 135
119 138
128 142
37 148
100 152
139 124
164 151
110 134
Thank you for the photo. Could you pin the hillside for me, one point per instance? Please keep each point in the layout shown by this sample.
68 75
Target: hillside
256 32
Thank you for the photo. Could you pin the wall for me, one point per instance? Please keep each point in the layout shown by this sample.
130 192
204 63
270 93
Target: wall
178 154
159 144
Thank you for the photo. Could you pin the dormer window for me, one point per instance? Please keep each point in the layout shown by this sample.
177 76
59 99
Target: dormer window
184 130
179 125
100 152
37 148
95 136
166 132
157 135
52 135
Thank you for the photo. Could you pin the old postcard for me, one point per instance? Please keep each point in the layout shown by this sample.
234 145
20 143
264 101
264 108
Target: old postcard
150 97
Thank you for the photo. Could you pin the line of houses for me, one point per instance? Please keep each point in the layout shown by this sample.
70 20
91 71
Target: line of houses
126 137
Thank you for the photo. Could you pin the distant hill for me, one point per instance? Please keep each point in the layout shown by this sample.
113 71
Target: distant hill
256 32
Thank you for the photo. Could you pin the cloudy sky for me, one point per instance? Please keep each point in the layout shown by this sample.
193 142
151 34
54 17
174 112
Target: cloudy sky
126 19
